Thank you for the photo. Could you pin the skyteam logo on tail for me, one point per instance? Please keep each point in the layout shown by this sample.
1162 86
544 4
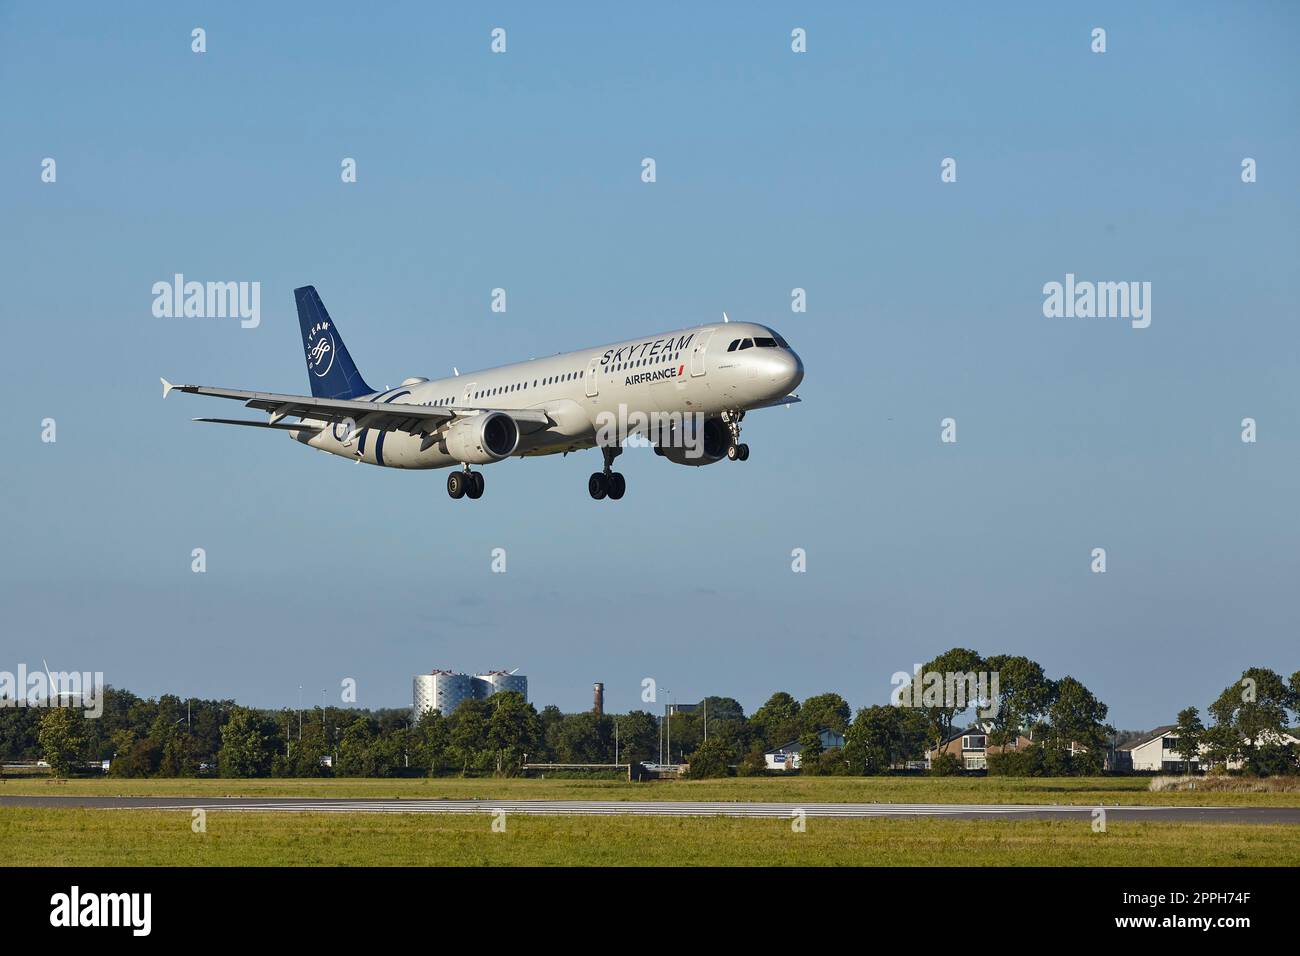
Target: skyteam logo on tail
320 349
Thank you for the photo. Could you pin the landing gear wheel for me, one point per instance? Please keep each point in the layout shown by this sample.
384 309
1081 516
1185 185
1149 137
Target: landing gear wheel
733 453
597 487
456 484
743 451
616 485
474 486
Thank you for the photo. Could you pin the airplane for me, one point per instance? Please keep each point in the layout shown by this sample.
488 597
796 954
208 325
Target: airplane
695 383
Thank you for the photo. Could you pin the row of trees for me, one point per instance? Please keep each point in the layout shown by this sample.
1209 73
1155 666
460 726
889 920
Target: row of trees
1249 721
1062 718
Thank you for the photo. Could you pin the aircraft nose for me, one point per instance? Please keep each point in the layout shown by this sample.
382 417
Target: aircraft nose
787 371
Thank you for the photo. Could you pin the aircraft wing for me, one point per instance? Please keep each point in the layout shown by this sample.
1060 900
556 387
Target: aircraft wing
385 416
773 402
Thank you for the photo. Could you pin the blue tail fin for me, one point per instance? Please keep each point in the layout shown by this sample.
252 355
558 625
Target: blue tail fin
329 366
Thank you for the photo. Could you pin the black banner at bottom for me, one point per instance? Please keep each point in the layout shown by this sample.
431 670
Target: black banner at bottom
295 904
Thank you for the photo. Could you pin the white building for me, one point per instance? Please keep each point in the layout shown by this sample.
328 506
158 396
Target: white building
788 757
1158 751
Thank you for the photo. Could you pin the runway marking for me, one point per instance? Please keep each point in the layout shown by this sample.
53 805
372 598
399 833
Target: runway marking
665 808
611 808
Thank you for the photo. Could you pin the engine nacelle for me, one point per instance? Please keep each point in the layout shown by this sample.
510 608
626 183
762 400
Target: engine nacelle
482 439
697 448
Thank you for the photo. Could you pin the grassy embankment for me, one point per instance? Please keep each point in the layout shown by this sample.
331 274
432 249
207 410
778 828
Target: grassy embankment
1090 791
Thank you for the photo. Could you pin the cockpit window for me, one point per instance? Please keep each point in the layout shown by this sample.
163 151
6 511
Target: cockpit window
764 343
732 346
780 341
746 344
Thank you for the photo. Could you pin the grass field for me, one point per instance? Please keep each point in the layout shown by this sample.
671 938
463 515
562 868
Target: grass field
143 837
1090 791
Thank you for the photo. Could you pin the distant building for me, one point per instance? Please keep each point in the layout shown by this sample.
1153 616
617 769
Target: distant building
972 748
445 690
494 682
789 757
1159 751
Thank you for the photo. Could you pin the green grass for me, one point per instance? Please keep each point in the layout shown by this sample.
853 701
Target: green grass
1091 791
160 838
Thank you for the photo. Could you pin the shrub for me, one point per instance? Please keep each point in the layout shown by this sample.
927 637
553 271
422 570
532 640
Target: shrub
945 765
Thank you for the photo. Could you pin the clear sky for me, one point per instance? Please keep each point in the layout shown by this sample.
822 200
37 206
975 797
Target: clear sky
775 170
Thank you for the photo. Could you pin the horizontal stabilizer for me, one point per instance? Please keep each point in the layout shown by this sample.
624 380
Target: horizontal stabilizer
282 426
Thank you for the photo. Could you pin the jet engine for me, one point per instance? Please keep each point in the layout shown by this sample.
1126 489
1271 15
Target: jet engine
696 447
482 439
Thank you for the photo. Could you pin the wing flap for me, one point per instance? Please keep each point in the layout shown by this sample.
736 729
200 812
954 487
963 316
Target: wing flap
284 426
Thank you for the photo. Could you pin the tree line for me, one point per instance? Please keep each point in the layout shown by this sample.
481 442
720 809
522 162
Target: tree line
1064 722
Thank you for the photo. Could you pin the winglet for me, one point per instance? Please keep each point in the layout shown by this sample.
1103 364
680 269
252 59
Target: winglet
724 318
167 386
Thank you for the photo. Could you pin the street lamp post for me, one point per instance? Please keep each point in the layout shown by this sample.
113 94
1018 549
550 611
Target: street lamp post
668 708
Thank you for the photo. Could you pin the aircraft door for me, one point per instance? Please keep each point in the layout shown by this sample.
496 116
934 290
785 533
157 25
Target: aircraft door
697 353
593 377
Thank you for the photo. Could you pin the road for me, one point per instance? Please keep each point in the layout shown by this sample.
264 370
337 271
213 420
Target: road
968 811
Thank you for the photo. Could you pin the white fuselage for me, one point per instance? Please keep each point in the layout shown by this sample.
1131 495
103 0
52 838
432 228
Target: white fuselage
687 371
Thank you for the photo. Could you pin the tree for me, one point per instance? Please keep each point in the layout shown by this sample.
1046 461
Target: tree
753 764
62 737
777 721
1190 732
713 758
513 730
1024 696
638 737
1250 712
1077 719
467 738
583 738
356 758
941 713
831 763
881 736
810 749
179 757
245 745
825 711
429 742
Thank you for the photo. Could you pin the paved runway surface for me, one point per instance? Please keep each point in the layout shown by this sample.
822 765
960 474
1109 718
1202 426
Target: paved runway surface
1287 815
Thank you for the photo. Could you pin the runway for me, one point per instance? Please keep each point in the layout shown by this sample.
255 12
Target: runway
967 811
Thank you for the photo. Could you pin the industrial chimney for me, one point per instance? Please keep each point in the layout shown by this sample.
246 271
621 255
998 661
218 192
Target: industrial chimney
598 699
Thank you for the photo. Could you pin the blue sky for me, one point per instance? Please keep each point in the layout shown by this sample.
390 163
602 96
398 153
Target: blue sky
775 171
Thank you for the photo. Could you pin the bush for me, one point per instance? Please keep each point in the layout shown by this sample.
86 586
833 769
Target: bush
945 765
1017 763
753 764
1272 760
832 763
712 759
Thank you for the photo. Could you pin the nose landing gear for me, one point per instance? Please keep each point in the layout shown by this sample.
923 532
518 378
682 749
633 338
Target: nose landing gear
736 450
607 484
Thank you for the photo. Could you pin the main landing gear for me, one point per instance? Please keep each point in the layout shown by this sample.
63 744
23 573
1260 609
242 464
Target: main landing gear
736 450
465 484
607 484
